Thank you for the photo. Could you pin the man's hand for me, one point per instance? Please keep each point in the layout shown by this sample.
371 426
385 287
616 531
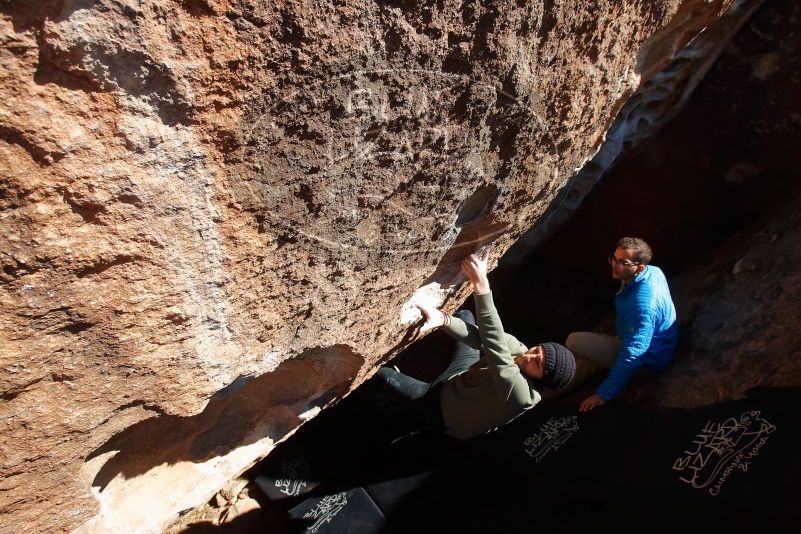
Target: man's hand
434 318
474 268
591 402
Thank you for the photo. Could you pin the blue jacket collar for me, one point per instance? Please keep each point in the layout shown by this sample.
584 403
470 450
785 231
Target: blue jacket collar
646 273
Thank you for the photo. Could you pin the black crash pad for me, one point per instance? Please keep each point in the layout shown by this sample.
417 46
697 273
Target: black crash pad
346 512
731 467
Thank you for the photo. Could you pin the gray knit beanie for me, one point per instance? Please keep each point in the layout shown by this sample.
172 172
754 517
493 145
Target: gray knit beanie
560 365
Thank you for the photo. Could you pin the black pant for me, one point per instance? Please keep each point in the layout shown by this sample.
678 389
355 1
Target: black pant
424 396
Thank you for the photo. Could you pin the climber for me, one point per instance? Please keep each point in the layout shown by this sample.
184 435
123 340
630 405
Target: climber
477 394
647 332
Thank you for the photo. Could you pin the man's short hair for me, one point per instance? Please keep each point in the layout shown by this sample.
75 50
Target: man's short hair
641 249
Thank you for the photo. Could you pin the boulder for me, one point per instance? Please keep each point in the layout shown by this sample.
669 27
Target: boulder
214 213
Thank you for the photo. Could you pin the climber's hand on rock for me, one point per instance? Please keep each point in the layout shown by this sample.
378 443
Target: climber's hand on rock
433 317
474 268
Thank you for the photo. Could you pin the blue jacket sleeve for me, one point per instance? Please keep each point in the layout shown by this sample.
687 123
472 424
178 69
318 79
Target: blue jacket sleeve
635 340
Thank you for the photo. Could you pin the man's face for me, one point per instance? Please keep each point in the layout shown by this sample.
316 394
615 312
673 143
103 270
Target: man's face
532 362
624 266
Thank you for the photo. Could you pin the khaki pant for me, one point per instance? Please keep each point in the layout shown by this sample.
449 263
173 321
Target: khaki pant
593 353
598 348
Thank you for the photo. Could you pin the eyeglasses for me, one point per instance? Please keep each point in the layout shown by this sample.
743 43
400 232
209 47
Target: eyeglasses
622 263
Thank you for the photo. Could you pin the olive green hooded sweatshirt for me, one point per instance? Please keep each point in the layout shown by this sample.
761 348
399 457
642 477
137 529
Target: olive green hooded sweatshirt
493 391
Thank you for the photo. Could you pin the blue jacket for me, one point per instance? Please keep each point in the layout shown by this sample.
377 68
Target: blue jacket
647 328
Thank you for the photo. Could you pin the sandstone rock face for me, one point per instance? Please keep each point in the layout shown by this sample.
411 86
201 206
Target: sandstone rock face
214 213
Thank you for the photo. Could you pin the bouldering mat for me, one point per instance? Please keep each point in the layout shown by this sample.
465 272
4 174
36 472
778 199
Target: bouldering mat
733 466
